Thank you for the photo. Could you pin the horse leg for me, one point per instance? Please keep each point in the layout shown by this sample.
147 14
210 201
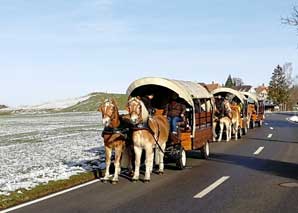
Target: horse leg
160 154
118 151
214 131
126 159
229 131
138 154
108 152
221 125
148 161
124 163
157 156
236 127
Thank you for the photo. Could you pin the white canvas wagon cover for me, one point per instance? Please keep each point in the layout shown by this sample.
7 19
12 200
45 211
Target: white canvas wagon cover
238 94
251 96
187 90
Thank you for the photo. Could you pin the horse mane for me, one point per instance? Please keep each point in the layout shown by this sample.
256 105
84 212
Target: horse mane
115 104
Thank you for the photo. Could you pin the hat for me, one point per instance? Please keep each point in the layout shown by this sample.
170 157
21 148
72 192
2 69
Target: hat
174 96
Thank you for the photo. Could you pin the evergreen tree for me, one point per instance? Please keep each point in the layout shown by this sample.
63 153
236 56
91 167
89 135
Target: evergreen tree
229 82
279 86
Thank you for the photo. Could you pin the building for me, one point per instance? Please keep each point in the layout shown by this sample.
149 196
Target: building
262 92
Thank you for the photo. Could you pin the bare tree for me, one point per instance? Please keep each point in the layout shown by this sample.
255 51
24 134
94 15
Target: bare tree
288 69
238 81
292 19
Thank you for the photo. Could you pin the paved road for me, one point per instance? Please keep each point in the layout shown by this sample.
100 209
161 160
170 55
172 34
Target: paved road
253 184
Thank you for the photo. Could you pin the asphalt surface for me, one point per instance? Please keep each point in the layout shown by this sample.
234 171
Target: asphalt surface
253 184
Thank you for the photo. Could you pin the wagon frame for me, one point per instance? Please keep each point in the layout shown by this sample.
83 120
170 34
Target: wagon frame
195 132
224 91
257 107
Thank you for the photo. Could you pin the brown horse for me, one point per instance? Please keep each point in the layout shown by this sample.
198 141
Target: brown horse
114 135
149 132
235 120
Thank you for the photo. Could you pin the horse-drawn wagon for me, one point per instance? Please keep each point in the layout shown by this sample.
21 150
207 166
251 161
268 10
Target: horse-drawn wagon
239 102
195 131
255 109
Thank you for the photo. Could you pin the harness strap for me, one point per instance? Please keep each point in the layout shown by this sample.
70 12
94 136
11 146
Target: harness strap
110 131
145 126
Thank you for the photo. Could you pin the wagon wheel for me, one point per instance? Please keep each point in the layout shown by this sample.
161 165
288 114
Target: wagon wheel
205 151
253 124
245 130
181 161
260 123
240 132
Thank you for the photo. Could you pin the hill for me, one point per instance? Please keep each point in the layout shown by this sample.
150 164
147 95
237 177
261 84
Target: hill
94 100
2 106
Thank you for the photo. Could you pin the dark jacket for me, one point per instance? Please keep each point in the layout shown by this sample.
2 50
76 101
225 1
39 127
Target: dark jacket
148 104
174 109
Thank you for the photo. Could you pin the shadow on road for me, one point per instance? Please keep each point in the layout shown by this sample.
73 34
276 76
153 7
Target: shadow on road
278 168
272 140
282 124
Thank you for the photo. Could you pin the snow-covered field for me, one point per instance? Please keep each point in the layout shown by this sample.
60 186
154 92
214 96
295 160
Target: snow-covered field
35 149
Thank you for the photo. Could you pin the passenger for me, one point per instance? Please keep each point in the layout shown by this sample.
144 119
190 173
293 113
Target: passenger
218 106
175 112
196 105
234 104
227 108
147 100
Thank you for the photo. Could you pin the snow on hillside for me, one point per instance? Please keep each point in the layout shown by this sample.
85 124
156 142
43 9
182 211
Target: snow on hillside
58 104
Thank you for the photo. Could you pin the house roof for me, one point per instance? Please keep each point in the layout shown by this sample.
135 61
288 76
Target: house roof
211 87
260 89
242 88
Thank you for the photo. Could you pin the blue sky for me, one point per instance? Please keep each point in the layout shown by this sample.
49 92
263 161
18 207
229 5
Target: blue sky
57 49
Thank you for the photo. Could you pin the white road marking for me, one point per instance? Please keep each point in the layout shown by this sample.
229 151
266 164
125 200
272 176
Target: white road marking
269 136
258 150
271 128
211 187
49 196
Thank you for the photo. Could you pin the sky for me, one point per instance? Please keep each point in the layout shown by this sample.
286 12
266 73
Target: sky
56 49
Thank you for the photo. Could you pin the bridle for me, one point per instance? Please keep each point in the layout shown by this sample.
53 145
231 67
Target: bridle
135 109
108 109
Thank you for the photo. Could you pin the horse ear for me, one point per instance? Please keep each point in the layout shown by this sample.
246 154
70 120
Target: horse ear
113 101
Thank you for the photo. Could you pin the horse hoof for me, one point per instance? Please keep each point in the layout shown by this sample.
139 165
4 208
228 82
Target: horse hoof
134 180
147 181
160 172
114 182
104 181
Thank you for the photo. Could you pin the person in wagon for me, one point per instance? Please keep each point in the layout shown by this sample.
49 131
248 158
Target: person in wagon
147 100
175 113
227 107
218 106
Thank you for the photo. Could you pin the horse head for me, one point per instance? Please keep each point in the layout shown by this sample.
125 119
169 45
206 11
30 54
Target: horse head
109 111
137 111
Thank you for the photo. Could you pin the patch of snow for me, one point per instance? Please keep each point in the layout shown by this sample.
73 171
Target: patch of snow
36 149
58 104
294 118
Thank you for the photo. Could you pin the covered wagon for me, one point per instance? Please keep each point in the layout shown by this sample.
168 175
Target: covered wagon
195 131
